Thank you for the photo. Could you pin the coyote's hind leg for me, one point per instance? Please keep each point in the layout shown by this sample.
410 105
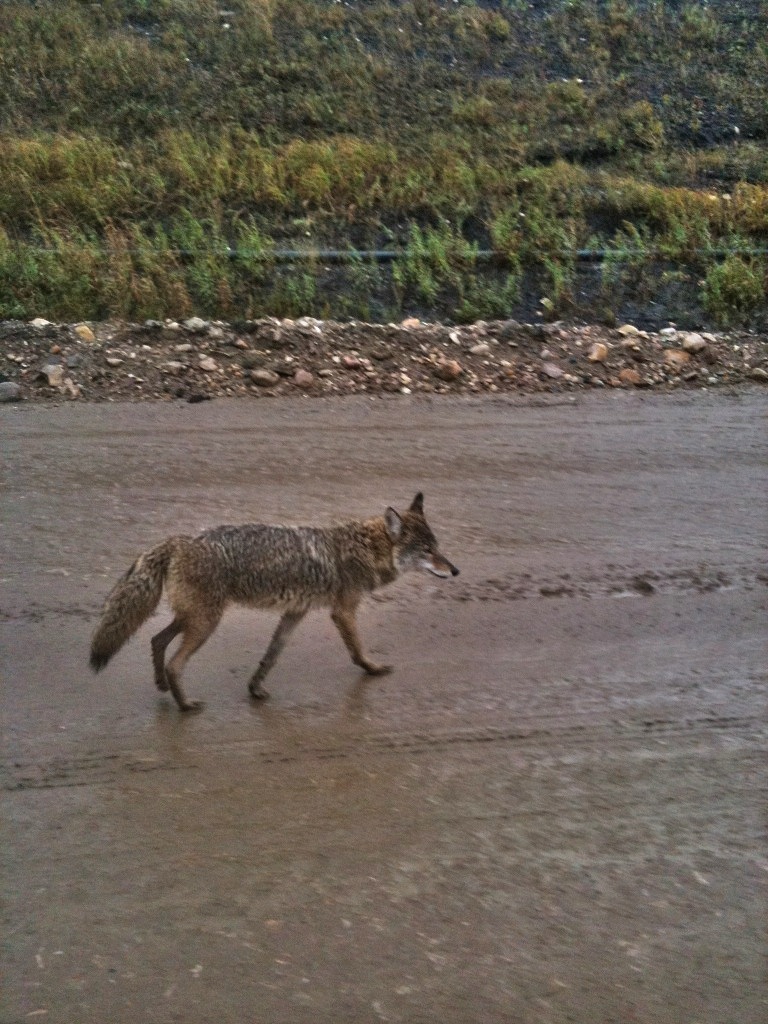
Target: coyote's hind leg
195 632
159 644
285 627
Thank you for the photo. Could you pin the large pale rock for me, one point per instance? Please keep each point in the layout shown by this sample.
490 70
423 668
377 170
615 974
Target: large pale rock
265 378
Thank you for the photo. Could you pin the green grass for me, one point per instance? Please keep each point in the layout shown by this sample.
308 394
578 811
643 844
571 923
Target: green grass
140 142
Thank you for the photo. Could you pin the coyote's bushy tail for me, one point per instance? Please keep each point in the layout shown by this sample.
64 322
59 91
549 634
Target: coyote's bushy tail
132 600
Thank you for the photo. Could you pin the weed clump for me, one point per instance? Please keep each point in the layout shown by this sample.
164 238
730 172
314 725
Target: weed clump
736 288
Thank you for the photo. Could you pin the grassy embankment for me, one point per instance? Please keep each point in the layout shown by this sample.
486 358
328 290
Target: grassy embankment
141 142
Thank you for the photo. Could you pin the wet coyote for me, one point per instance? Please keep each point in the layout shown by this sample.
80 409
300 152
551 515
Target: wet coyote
288 568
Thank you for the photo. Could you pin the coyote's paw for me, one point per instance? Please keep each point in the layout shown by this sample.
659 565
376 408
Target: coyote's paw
257 691
162 684
376 670
192 706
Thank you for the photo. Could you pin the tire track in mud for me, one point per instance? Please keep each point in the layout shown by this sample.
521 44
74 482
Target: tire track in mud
543 735
608 582
36 611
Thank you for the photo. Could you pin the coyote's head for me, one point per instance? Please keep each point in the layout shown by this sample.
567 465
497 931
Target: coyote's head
414 542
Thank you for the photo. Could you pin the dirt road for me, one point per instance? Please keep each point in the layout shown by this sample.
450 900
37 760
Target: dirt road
553 810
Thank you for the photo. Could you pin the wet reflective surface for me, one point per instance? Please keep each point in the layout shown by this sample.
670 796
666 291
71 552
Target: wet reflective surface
550 811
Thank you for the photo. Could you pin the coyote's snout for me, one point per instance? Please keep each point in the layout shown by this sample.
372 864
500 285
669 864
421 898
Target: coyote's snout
290 568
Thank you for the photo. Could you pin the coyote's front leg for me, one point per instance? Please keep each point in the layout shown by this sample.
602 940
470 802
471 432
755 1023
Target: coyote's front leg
285 627
343 616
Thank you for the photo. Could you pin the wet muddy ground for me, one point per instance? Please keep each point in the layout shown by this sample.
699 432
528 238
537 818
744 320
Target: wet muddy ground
553 810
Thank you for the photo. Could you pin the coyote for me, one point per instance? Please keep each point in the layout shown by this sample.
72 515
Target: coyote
288 568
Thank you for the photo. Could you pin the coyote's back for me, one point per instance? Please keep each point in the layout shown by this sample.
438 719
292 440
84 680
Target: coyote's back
267 566
290 568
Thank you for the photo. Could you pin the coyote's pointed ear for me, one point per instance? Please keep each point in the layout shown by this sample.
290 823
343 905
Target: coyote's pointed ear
417 505
394 524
